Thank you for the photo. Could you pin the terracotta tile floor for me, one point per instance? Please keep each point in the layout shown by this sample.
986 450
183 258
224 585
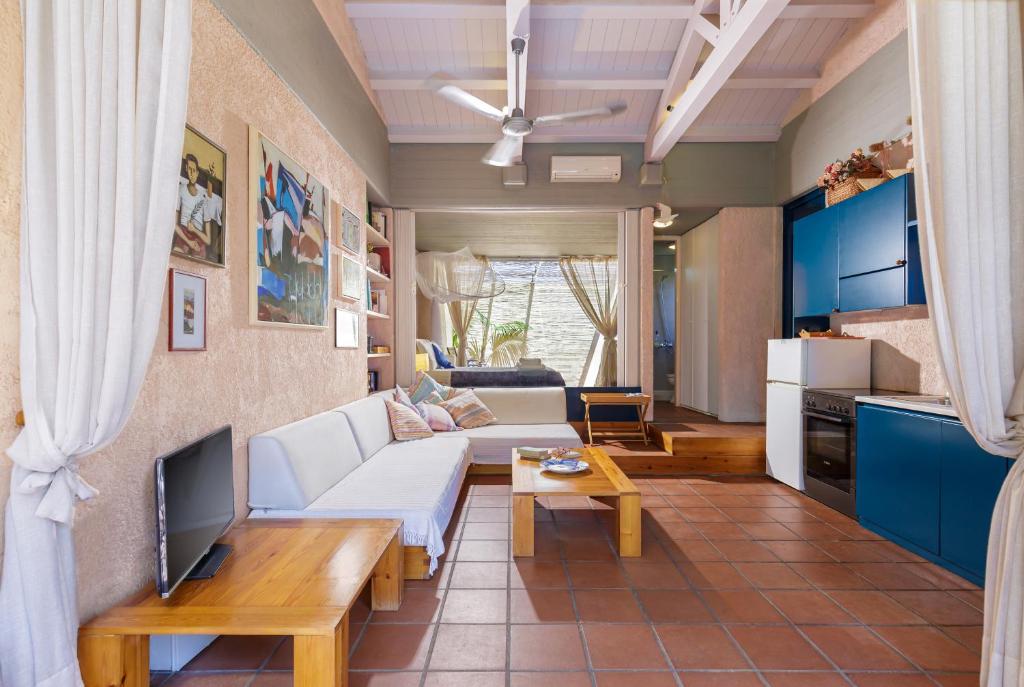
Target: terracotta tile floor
743 582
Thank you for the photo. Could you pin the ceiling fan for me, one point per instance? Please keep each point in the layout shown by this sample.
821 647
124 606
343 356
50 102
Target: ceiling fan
514 125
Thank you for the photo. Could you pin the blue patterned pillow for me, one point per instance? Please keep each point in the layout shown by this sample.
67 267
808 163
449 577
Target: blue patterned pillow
424 386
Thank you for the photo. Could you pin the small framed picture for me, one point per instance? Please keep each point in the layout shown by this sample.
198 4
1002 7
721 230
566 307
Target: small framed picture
351 278
350 226
187 318
346 329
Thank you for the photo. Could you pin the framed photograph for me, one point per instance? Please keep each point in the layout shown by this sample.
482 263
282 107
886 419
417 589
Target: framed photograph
346 329
289 249
350 226
199 211
187 317
351 278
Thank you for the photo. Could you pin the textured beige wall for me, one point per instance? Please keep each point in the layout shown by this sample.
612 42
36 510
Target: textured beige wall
749 307
903 352
254 378
10 208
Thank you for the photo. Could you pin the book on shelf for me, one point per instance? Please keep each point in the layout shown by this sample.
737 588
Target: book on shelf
379 301
379 221
385 259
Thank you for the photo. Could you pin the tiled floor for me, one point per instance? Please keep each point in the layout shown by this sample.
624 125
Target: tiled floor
742 582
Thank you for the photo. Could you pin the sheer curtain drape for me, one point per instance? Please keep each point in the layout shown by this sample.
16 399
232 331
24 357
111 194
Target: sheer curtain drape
967 84
106 87
594 283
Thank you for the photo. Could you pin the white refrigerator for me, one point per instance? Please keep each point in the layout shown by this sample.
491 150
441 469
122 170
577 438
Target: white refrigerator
795 365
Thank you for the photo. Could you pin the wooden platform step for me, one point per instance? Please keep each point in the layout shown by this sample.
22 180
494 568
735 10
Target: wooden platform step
713 446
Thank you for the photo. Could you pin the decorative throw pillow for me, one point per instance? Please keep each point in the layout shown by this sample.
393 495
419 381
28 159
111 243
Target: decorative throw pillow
402 397
406 423
437 417
424 384
441 358
468 411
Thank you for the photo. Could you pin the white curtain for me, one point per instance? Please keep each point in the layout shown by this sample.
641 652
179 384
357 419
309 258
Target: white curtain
594 283
106 88
967 84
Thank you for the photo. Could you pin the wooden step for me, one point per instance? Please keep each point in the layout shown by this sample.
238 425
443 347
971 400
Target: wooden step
713 447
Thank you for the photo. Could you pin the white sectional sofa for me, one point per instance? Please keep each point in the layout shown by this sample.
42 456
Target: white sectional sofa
345 463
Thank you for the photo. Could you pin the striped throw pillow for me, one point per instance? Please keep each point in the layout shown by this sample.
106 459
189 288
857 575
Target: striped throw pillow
437 417
406 423
424 385
468 411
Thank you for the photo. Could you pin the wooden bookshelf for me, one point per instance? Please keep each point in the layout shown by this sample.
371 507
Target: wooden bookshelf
380 325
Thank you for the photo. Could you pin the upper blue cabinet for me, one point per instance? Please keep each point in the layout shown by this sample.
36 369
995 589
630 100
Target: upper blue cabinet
815 281
861 254
873 228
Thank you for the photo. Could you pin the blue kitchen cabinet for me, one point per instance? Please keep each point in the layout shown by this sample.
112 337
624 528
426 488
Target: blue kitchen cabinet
923 482
872 228
971 479
885 289
815 281
898 474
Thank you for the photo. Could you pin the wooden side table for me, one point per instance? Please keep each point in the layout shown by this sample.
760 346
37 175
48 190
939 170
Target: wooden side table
617 398
284 577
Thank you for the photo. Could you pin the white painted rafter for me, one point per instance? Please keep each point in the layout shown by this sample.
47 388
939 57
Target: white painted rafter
697 134
798 9
745 28
495 80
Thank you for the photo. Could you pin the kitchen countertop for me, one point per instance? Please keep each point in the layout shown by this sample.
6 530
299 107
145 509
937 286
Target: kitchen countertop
936 405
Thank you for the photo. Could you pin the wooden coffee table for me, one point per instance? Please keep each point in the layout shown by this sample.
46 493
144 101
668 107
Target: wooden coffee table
604 482
284 577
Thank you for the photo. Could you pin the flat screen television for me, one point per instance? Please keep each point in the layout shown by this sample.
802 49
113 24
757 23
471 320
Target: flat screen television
195 504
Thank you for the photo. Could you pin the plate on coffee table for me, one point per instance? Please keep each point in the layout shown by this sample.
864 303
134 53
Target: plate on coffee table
565 466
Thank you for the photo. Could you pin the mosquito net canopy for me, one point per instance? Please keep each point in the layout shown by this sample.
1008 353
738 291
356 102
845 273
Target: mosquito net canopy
458 276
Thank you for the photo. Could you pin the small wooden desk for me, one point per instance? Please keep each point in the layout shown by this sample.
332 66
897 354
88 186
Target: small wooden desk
284 577
604 482
617 398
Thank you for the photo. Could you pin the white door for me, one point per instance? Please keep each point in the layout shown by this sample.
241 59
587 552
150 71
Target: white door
784 434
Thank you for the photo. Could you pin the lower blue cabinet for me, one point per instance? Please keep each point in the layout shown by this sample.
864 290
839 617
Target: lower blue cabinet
898 476
924 482
971 479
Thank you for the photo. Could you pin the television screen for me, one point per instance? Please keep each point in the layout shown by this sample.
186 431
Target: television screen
195 503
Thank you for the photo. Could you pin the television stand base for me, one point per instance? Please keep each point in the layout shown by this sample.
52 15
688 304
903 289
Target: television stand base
209 564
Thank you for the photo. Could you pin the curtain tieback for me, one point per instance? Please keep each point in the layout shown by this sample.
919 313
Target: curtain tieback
63 487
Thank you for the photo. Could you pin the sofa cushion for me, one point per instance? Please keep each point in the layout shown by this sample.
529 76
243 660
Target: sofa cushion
289 467
467 410
524 406
494 443
369 420
417 481
406 422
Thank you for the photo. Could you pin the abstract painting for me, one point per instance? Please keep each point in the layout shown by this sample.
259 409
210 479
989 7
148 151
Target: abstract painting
290 244
199 212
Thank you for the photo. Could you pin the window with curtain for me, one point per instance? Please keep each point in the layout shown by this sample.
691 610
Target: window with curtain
559 332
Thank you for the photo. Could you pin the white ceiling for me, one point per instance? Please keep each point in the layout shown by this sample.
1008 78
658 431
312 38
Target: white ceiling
584 54
519 234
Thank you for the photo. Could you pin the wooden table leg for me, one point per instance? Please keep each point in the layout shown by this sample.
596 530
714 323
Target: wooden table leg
629 525
522 525
388 581
322 660
586 418
642 411
114 660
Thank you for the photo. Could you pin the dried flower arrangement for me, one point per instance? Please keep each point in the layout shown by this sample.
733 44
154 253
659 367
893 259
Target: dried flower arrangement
858 165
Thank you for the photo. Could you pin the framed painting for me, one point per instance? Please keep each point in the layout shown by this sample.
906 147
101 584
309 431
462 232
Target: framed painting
346 329
350 226
187 319
199 210
351 278
289 260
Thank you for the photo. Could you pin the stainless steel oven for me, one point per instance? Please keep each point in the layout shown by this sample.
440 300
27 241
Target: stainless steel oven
830 449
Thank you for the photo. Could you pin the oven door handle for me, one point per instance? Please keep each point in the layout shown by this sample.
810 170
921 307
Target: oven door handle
830 418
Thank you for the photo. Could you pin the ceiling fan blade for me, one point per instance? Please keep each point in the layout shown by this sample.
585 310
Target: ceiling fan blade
462 98
604 111
505 152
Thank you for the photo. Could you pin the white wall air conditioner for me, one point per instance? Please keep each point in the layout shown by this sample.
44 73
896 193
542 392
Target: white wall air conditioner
586 168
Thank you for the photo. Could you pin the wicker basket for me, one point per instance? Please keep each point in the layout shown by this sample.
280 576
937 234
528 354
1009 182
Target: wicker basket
845 190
